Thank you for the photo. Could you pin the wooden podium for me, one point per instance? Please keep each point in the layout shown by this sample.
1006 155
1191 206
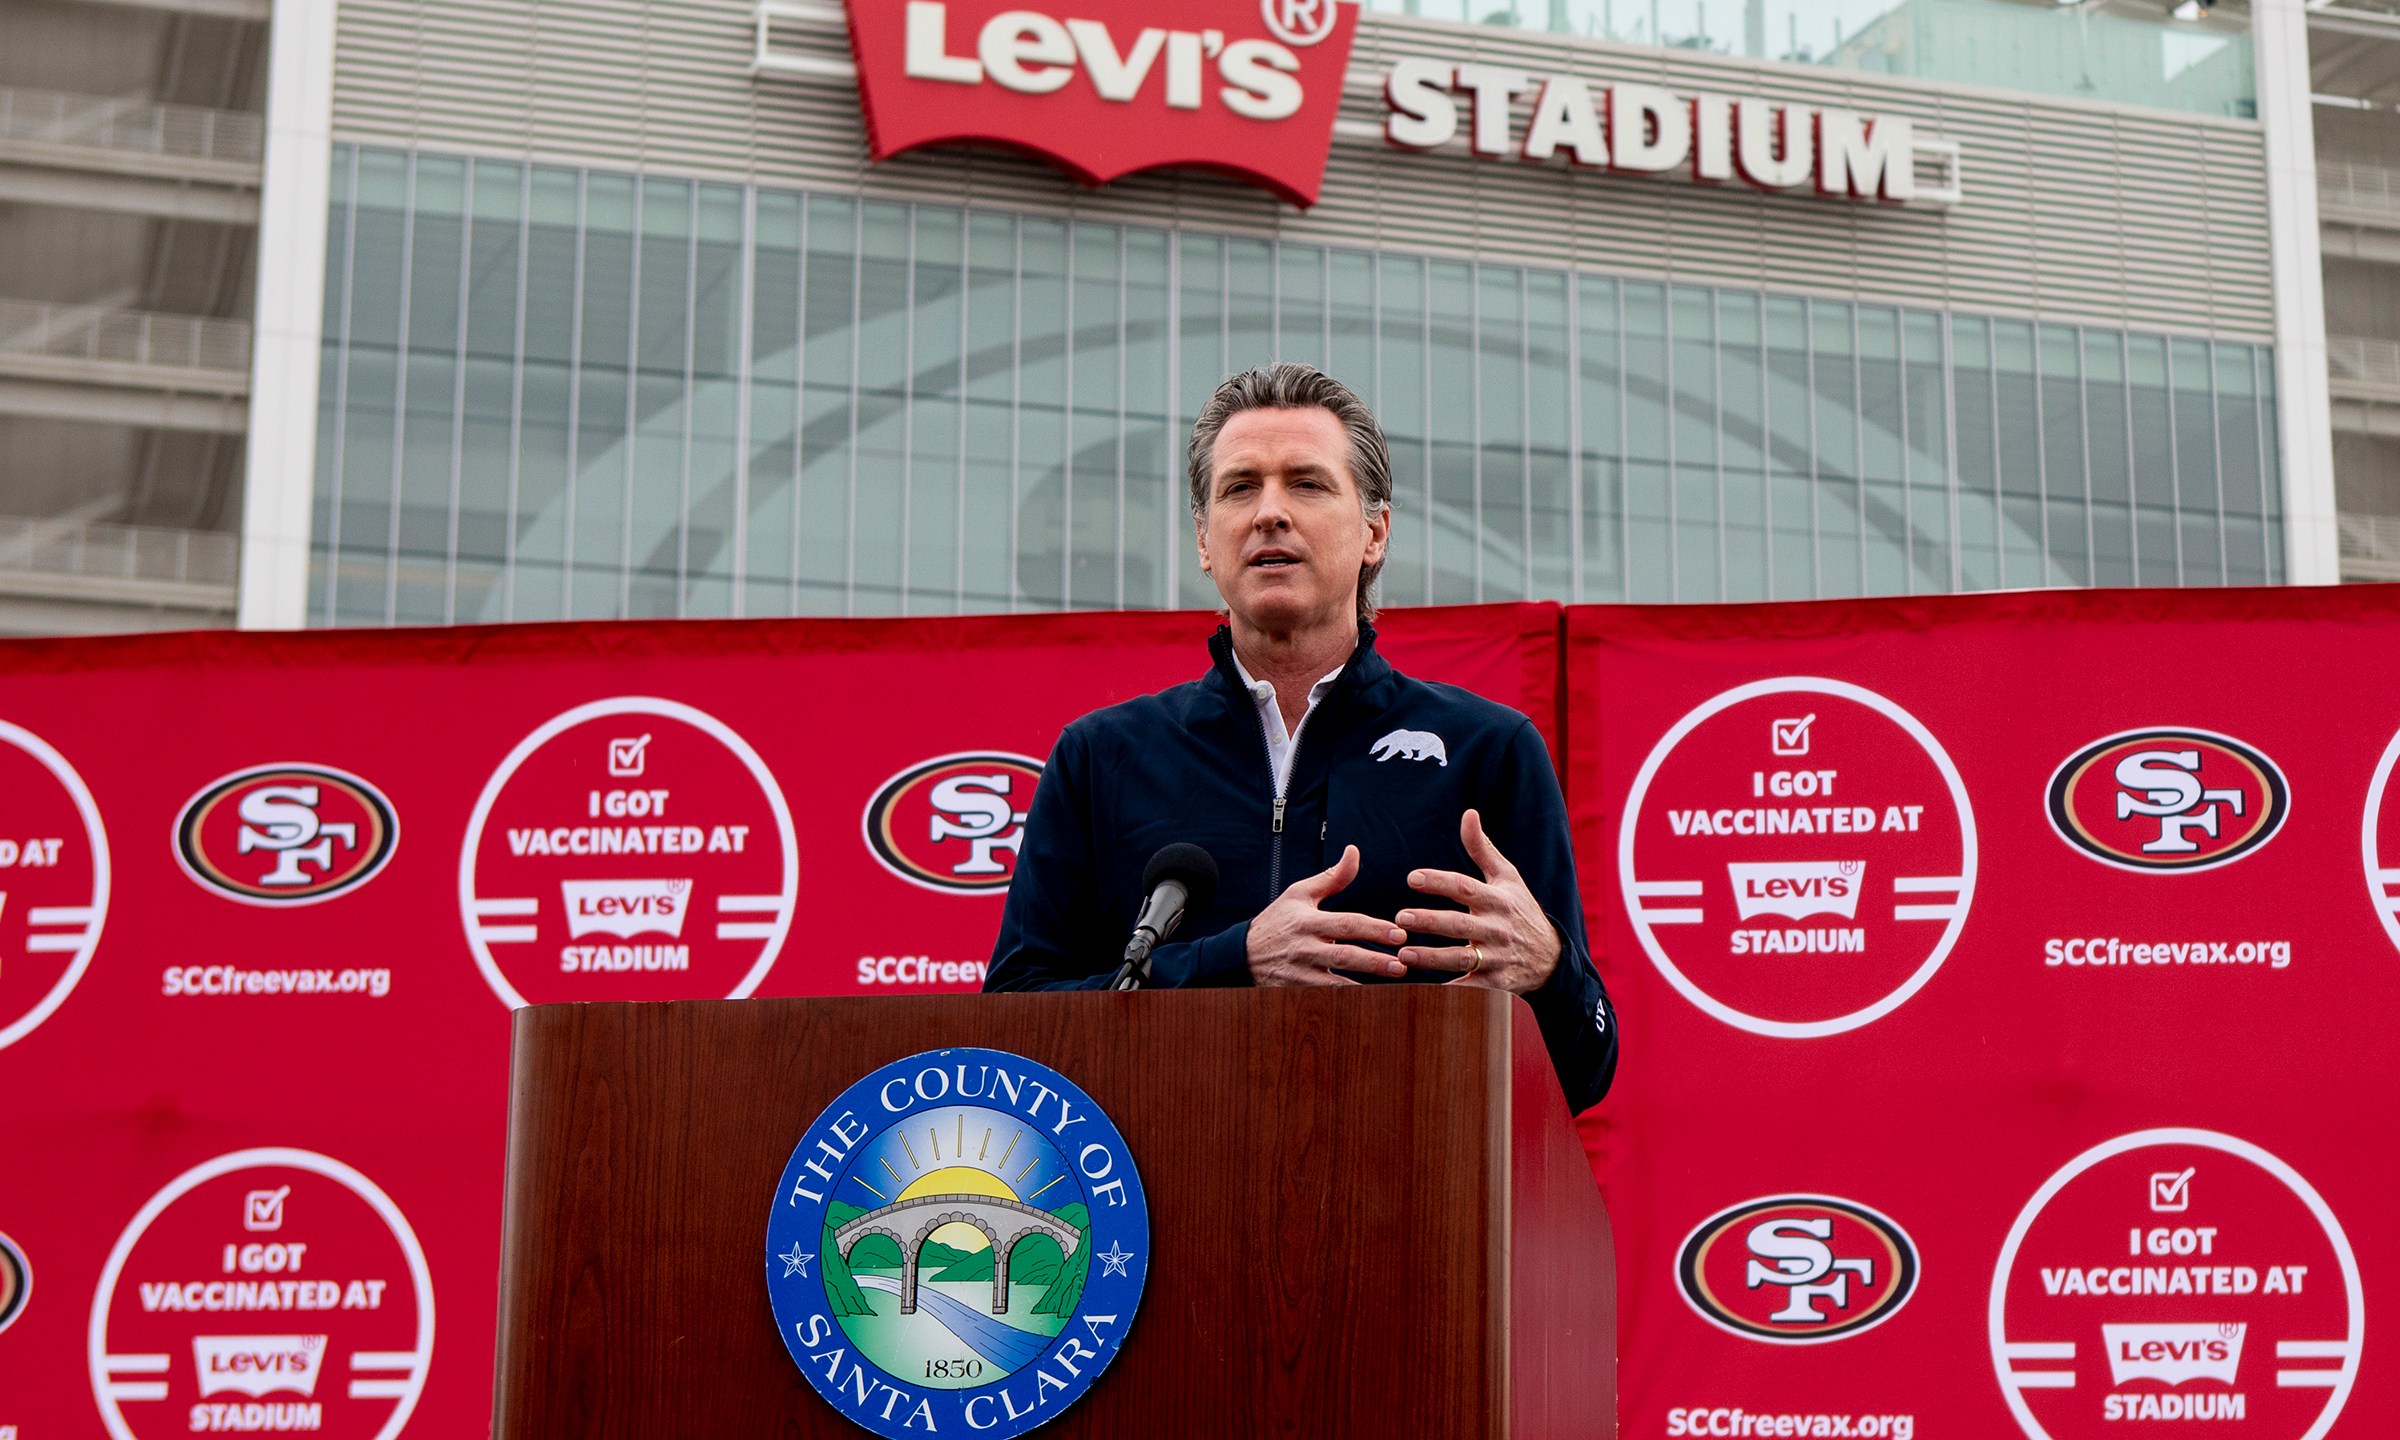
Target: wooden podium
1369 1213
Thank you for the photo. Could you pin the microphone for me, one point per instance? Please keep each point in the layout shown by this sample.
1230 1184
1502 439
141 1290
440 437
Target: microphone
1178 880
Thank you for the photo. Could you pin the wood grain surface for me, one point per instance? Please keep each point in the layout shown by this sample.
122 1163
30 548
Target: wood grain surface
1330 1176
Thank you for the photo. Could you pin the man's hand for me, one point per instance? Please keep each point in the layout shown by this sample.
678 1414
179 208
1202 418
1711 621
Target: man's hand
1509 943
1292 942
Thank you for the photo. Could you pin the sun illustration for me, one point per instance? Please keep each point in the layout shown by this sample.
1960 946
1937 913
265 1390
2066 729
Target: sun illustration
958 1180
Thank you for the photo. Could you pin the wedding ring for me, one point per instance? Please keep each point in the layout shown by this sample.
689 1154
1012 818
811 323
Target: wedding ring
1476 951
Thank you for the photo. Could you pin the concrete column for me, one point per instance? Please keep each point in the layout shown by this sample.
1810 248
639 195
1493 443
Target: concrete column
279 478
1000 1277
2304 419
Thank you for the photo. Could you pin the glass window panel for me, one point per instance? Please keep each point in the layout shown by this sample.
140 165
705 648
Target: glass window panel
1141 555
2237 435
991 362
829 325
1978 454
1742 396
1041 543
989 554
1092 502
1500 389
1745 537
545 438
708 527
1694 359
377 250
1401 367
1650 538
1791 502
1879 393
937 321
1098 276
1300 308
1699 573
1250 298
1153 478
1926 379
1202 320
1834 377
1788 419
1350 311
1601 394
1648 414
2023 558
662 403
1549 380
1148 303
2195 427
2108 443
1453 523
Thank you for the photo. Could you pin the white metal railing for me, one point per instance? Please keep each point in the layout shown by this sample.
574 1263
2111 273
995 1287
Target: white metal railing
2363 362
135 126
131 337
2358 184
2371 546
97 551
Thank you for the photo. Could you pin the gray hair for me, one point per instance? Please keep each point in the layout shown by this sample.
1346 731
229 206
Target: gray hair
1301 387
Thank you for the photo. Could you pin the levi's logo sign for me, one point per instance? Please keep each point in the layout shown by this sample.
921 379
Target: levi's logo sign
626 907
1105 88
2174 1353
258 1365
1798 889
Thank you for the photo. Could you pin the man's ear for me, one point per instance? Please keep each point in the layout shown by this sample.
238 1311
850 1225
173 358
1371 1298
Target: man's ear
1200 538
1379 536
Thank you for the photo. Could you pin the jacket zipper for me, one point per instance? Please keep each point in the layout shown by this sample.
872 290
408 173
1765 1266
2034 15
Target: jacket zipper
1275 828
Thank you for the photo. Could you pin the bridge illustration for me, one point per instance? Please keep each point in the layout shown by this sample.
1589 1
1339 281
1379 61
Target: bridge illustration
909 1222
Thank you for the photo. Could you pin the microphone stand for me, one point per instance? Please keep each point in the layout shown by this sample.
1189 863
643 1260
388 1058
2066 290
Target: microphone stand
1135 972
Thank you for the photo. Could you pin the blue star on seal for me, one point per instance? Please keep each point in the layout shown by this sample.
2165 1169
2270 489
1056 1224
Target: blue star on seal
1112 1260
794 1262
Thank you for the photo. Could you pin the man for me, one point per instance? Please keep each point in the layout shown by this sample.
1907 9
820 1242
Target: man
1366 826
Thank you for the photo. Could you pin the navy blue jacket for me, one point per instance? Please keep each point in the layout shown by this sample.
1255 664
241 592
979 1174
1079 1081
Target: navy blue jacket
1190 764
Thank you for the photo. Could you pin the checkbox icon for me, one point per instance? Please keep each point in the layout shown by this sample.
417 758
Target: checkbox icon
2171 1194
1791 736
627 757
263 1209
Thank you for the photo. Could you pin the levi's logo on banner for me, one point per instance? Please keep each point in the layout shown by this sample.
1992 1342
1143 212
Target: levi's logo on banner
1108 87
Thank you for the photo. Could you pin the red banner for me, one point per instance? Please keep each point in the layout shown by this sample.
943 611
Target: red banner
2006 979
2008 987
266 902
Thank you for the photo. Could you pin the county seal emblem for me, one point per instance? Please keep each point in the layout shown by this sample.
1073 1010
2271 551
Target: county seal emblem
957 1246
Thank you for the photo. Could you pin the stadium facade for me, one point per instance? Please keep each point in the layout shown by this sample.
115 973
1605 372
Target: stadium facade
625 310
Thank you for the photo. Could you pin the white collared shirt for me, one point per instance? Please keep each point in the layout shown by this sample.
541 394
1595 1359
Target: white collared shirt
1280 742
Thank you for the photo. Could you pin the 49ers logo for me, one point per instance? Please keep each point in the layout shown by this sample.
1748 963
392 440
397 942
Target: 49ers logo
1797 1269
16 1282
954 823
2168 799
286 834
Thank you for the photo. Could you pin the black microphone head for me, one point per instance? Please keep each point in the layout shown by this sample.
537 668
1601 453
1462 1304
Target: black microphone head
1195 867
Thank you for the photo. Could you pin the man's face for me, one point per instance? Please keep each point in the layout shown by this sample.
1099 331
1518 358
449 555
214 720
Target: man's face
1285 532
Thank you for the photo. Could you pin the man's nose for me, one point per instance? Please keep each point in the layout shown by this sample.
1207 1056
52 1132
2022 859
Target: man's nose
1273 512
